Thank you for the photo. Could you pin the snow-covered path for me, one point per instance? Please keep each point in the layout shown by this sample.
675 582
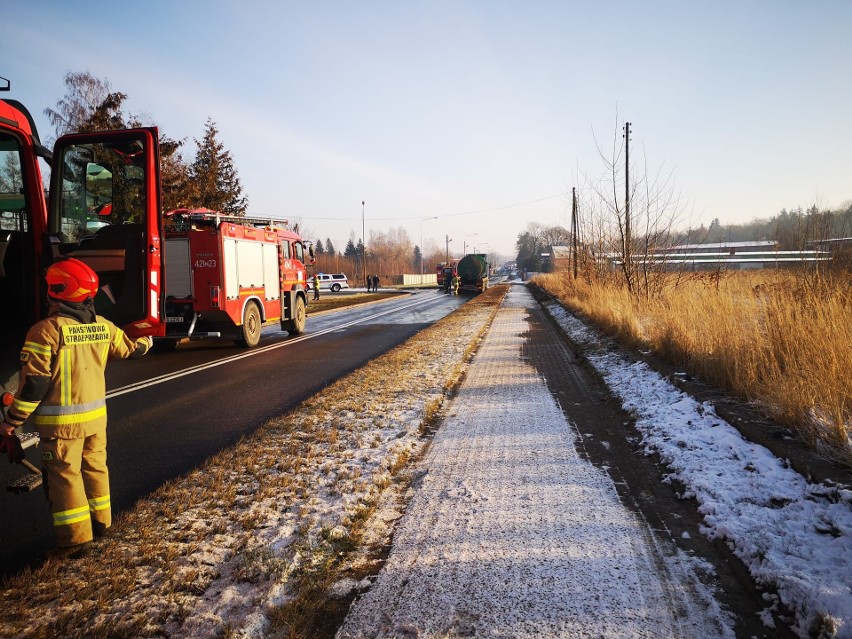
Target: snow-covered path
510 533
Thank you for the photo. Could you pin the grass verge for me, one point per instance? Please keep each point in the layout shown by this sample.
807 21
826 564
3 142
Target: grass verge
329 301
774 338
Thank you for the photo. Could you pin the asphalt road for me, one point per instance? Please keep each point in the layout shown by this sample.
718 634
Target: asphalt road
169 412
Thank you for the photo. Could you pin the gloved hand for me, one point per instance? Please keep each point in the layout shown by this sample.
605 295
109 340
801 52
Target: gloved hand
11 445
143 345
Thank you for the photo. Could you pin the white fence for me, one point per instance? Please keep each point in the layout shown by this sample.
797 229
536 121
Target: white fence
428 279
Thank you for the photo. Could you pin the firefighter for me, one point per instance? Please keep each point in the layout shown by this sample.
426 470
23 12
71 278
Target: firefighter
456 284
62 386
315 282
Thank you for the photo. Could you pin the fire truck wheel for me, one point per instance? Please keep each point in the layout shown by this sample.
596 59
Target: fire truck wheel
296 326
251 326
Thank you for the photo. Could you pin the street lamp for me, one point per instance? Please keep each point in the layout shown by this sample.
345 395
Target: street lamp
464 243
363 243
423 219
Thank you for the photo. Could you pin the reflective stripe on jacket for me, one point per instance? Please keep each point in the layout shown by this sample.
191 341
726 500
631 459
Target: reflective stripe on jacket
62 374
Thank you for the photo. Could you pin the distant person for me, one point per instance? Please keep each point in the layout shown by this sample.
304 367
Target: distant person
456 284
375 283
369 283
316 286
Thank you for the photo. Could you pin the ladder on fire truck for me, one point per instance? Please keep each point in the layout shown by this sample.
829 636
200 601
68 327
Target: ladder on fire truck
215 218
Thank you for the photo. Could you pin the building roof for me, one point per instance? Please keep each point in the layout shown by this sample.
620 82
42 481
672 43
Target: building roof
724 245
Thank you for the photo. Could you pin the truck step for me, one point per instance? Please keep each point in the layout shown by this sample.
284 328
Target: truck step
24 483
32 480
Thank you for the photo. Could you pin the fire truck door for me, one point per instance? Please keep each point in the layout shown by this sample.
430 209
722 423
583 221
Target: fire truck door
105 210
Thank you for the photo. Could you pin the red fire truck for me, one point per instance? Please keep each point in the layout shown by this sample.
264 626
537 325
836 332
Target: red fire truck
446 267
230 275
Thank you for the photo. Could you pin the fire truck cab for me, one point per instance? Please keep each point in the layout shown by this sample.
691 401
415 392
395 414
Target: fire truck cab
228 276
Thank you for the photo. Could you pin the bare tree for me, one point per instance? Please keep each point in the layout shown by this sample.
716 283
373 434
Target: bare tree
630 228
391 252
10 173
89 104
535 240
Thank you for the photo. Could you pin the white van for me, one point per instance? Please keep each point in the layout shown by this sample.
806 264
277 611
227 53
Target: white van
333 282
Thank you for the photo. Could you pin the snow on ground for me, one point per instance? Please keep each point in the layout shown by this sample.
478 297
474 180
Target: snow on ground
510 533
795 537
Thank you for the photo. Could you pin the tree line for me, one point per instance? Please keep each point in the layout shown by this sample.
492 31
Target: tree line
387 254
793 229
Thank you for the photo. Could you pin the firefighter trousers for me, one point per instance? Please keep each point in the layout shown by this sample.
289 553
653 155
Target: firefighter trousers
77 483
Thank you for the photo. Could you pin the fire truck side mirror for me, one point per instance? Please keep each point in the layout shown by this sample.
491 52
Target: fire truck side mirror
311 254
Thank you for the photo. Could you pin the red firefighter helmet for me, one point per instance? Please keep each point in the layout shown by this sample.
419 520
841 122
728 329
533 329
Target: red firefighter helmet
71 280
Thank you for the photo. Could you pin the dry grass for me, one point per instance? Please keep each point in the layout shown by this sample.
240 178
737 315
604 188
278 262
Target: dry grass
328 301
288 517
777 338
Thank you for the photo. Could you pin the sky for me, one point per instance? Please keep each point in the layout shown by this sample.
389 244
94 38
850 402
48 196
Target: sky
469 119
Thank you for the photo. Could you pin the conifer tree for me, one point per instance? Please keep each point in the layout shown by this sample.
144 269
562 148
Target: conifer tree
350 250
214 176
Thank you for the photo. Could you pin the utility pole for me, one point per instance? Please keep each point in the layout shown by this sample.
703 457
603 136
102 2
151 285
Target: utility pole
464 243
448 247
574 227
363 243
627 257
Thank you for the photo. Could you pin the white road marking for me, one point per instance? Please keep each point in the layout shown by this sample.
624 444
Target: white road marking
154 381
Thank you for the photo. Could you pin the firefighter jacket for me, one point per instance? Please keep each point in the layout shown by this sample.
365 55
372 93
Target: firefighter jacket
62 375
